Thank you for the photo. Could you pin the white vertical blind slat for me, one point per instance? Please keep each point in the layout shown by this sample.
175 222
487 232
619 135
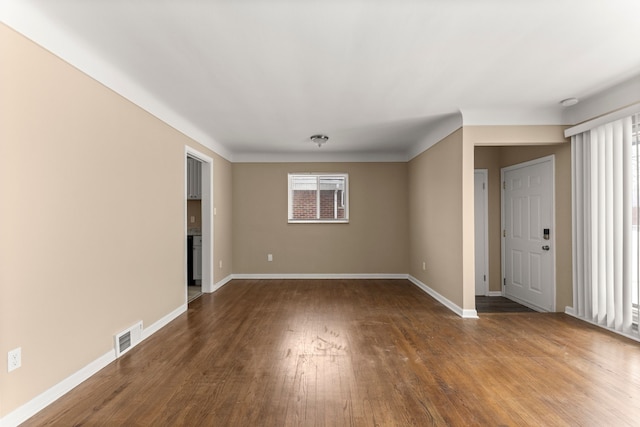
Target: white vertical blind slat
593 260
618 222
577 225
627 225
609 231
587 250
601 284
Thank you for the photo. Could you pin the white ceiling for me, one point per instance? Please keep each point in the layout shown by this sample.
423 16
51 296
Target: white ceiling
255 79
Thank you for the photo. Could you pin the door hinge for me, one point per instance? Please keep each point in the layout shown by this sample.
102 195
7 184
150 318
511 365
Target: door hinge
483 185
504 233
504 281
504 185
484 278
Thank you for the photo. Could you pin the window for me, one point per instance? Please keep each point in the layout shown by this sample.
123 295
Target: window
606 243
318 197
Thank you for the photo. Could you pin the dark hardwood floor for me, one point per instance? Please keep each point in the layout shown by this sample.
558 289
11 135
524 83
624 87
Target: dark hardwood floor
499 305
358 353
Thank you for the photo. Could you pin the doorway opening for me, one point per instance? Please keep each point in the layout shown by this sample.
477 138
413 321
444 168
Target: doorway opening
481 228
198 224
528 239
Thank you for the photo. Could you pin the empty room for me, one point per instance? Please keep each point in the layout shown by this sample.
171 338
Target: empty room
356 213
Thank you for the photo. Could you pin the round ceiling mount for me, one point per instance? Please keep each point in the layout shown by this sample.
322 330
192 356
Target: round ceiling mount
319 140
569 102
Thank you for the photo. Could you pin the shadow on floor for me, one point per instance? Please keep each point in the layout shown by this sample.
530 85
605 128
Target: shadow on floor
500 305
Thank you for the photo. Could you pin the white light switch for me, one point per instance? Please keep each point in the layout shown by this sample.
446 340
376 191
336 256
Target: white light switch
193 219
269 257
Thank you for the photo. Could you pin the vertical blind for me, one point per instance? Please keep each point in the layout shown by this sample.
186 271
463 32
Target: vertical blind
605 198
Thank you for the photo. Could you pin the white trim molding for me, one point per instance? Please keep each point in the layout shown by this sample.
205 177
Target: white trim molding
601 103
164 321
217 285
316 157
46 398
599 121
495 293
38 403
319 276
464 313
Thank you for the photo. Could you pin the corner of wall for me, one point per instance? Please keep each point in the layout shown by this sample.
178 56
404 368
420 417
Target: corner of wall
440 129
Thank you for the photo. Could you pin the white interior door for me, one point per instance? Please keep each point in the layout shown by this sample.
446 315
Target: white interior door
481 232
528 252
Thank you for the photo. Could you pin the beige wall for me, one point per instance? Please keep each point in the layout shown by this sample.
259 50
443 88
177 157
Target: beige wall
93 217
374 240
435 217
495 158
223 219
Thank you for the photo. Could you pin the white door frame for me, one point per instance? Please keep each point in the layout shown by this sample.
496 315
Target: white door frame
485 176
551 158
207 217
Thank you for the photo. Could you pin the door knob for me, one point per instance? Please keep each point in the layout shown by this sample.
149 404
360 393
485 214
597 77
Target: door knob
545 248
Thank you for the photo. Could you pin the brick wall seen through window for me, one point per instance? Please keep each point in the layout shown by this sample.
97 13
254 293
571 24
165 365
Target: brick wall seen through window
317 198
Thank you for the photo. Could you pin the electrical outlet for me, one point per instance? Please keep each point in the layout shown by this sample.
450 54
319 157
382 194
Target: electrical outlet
15 359
220 263
424 265
193 219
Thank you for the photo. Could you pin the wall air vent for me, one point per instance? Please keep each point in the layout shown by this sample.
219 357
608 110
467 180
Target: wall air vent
128 338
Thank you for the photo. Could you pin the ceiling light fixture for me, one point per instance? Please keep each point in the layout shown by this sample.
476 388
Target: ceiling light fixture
319 140
569 102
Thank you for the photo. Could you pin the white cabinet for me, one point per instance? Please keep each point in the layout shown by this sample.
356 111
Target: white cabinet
197 257
194 181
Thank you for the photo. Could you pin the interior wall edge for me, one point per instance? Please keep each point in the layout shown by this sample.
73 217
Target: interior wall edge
464 313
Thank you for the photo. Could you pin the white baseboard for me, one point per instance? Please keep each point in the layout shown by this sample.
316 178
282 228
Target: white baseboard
164 321
218 285
570 311
495 293
49 396
319 276
464 313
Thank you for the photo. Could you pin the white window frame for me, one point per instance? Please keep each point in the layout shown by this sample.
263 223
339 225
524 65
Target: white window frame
318 220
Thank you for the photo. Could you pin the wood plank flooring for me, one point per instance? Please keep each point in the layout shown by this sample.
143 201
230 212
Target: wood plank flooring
358 353
499 305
